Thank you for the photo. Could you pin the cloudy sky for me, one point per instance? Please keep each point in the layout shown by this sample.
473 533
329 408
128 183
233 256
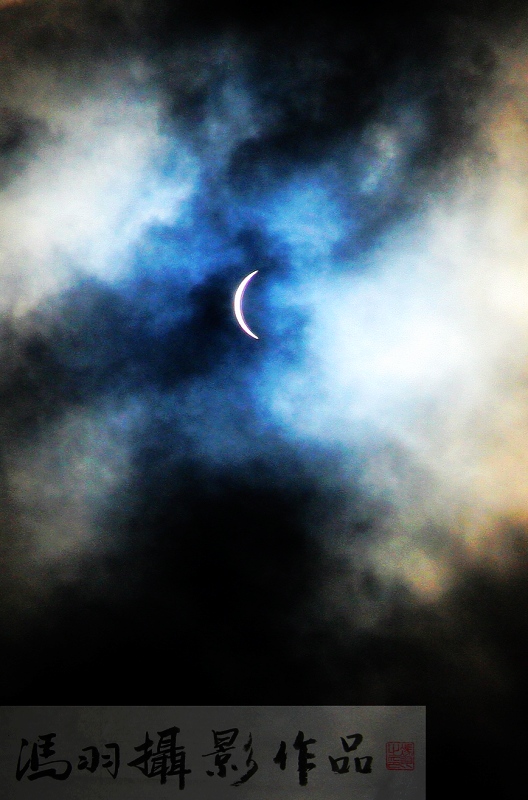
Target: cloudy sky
336 512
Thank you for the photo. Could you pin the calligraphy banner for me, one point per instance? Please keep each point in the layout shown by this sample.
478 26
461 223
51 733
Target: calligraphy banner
213 752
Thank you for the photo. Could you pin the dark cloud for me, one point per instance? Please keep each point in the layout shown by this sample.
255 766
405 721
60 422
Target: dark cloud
337 512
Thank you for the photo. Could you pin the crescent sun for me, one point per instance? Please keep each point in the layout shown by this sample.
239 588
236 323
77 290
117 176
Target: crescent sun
237 305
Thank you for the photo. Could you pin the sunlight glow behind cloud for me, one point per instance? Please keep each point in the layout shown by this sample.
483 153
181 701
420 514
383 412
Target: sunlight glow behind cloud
412 349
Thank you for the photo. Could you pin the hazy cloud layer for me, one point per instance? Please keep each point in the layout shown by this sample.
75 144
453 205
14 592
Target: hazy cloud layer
348 475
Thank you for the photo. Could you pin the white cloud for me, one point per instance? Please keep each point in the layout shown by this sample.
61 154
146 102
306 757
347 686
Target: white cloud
104 174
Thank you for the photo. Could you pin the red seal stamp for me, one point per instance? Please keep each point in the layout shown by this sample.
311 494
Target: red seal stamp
399 755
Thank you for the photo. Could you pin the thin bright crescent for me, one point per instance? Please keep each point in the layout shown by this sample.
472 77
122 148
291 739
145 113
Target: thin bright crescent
239 295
